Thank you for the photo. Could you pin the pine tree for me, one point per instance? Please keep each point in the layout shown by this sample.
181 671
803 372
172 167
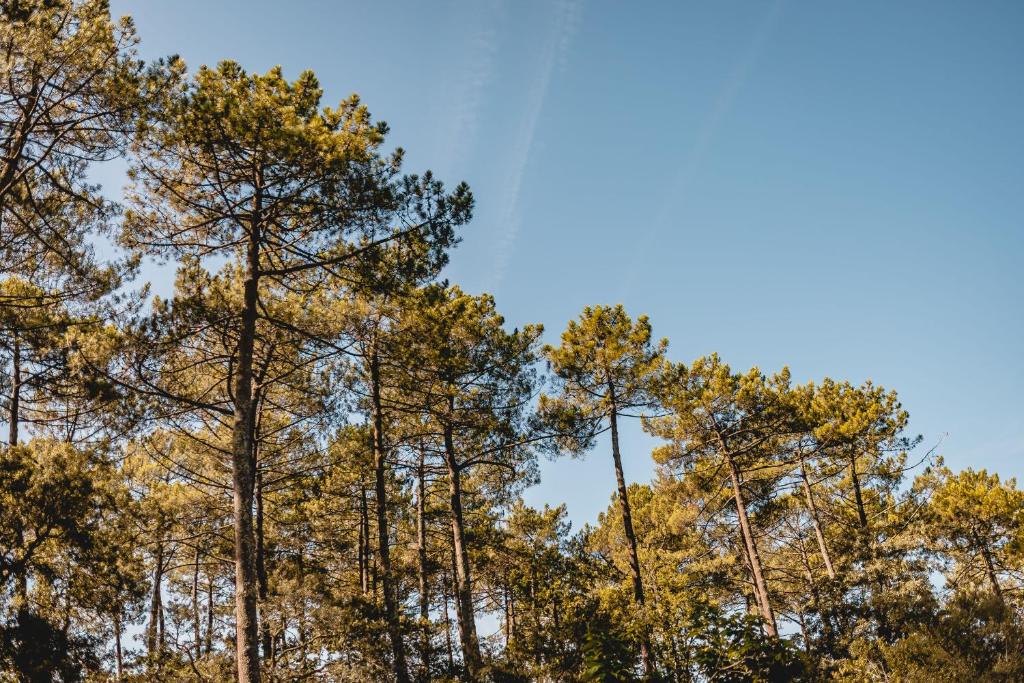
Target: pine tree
605 368
250 168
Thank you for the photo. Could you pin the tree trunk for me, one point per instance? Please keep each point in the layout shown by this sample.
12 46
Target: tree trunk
760 586
16 146
383 542
447 624
196 618
646 656
463 581
364 542
14 416
812 508
990 570
261 572
511 613
507 604
208 644
421 557
812 586
118 654
153 634
862 516
302 627
867 543
247 653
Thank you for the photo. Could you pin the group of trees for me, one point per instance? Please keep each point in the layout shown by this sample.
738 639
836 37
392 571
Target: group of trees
307 462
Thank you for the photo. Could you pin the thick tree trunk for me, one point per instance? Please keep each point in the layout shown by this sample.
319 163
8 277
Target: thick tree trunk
463 580
421 566
812 509
383 541
760 585
247 653
646 655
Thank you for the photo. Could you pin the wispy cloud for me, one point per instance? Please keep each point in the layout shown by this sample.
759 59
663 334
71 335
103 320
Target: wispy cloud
720 107
469 87
553 57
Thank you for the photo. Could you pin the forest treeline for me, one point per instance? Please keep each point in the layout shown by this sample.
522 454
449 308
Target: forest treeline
307 463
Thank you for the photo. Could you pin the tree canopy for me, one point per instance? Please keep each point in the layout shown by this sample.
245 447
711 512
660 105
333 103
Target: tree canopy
309 461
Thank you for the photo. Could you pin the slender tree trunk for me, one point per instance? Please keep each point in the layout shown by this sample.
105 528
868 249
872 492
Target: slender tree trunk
383 542
862 516
512 613
646 655
421 557
15 413
990 570
208 645
261 572
196 617
867 543
826 618
247 652
447 624
118 654
760 586
805 636
507 604
463 580
303 632
374 575
364 542
812 508
14 418
360 559
153 631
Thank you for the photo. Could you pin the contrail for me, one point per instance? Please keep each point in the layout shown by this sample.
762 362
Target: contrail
721 105
468 96
555 55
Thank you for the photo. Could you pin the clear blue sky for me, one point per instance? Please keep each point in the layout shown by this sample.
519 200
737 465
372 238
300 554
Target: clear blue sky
834 186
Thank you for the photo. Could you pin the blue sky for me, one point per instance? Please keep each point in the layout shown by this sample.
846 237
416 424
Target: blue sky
833 186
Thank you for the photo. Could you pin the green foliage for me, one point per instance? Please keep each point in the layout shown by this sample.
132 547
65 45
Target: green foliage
605 363
309 462
606 658
974 637
64 531
975 520
734 649
40 650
